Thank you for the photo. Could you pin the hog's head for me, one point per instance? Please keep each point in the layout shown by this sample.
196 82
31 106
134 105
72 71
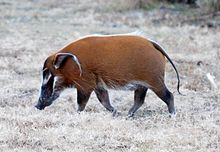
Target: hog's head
55 77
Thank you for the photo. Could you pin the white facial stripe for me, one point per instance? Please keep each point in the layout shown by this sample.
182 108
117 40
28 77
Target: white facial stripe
45 69
46 79
56 79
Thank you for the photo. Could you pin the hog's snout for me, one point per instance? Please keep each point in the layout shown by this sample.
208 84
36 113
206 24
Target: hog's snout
44 102
39 107
40 104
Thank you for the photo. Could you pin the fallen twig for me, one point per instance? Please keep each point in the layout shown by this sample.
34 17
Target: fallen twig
211 80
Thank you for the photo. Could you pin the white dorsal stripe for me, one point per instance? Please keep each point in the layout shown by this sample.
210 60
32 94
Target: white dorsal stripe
135 33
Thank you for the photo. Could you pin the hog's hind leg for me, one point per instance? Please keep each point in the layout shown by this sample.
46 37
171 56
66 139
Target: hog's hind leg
139 96
165 95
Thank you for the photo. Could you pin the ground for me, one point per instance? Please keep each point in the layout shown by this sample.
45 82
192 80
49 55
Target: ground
32 29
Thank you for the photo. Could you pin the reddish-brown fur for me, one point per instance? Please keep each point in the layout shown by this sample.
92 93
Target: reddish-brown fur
117 60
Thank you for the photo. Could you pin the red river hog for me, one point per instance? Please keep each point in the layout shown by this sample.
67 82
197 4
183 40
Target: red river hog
97 63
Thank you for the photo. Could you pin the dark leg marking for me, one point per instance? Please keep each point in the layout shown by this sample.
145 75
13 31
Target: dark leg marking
82 99
167 97
139 96
103 97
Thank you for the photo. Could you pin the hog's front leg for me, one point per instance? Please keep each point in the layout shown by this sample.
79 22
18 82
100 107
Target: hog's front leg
82 99
103 97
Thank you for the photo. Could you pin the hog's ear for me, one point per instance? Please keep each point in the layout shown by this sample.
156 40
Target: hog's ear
61 58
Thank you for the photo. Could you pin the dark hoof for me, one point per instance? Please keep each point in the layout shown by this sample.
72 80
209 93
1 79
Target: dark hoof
39 107
172 114
130 115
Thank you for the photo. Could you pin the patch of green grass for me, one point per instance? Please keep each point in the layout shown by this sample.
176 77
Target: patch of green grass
150 5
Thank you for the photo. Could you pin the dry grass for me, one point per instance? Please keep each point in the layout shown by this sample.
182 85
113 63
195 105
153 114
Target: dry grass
31 31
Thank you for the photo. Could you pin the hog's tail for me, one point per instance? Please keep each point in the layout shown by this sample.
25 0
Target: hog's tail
158 47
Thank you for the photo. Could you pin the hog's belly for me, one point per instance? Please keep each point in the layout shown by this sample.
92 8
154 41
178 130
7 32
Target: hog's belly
131 85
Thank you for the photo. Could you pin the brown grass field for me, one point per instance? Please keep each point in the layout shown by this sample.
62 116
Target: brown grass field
32 29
